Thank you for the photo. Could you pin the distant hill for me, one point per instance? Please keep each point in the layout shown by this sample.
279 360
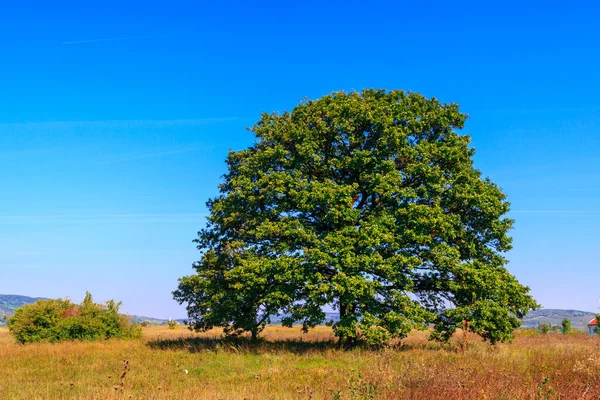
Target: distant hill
329 316
8 303
154 321
579 319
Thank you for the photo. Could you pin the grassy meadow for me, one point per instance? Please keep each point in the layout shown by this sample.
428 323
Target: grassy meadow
178 364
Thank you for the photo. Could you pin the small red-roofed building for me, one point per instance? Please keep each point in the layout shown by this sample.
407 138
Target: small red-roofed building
592 326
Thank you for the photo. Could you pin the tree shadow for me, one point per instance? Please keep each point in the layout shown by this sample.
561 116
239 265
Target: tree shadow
237 344
243 345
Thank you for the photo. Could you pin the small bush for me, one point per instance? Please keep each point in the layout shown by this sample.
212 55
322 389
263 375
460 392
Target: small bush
566 326
544 329
576 332
56 320
172 324
529 332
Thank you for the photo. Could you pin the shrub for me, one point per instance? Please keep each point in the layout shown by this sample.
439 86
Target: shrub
544 328
556 329
529 332
56 320
172 324
566 326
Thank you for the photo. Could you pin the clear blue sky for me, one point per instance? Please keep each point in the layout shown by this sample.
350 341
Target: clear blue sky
115 119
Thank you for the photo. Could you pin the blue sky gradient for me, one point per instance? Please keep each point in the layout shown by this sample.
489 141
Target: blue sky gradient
115 120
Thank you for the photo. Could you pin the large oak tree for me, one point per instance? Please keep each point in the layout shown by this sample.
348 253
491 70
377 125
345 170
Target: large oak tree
367 202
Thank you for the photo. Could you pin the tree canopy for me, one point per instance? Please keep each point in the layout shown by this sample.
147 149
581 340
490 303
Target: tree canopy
367 202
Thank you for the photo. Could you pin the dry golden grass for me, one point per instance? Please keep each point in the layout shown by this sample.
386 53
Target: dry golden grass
178 364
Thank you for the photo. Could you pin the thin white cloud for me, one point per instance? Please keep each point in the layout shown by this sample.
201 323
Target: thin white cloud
105 40
100 218
18 129
137 157
28 152
6 253
554 212
117 123
550 110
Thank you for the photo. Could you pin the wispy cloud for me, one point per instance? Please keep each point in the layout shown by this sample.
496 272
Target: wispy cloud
100 218
555 212
549 110
164 153
26 152
105 40
21 129
7 253
119 123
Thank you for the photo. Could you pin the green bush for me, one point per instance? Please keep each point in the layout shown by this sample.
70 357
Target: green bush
56 320
172 324
566 326
529 332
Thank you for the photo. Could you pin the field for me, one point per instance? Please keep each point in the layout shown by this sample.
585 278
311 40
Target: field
177 364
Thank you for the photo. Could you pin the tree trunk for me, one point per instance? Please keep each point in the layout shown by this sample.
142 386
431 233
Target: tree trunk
466 325
343 313
344 340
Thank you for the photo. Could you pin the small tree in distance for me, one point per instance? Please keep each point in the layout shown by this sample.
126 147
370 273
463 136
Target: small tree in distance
368 202
566 326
